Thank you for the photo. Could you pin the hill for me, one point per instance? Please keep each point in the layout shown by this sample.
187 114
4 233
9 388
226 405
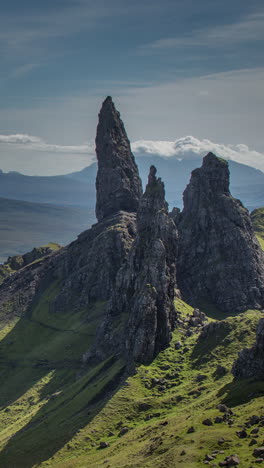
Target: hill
140 343
24 225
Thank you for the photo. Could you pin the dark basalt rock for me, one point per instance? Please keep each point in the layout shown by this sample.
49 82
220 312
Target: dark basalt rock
146 285
93 260
220 260
250 363
118 183
19 290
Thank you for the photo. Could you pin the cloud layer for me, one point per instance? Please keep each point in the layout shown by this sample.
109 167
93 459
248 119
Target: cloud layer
187 147
38 144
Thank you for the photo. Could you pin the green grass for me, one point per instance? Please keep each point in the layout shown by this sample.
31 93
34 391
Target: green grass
257 218
55 411
261 241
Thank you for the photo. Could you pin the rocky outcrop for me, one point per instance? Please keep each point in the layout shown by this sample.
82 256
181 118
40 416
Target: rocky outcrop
21 288
220 260
20 261
89 269
118 183
250 363
141 307
17 262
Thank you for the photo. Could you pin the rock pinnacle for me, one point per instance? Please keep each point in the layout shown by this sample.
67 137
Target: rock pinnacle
220 261
118 183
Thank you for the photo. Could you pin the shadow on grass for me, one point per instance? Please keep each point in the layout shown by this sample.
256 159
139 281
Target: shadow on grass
64 415
240 391
205 346
40 345
212 311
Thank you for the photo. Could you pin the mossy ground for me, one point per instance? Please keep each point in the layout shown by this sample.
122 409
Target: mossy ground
55 412
257 218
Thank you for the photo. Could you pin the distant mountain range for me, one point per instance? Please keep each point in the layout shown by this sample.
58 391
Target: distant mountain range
58 208
78 188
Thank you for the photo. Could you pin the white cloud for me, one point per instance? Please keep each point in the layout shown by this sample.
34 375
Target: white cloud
38 144
189 147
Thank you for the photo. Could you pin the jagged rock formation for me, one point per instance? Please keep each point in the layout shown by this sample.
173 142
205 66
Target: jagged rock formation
118 183
250 363
220 260
146 286
19 290
89 269
20 261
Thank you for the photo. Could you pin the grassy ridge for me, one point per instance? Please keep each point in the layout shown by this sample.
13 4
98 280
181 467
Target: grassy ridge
54 412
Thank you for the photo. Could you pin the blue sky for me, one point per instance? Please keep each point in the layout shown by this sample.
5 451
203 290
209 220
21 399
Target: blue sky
173 67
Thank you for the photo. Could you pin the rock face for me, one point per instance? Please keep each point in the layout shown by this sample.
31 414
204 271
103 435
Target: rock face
118 183
146 285
250 363
89 269
220 260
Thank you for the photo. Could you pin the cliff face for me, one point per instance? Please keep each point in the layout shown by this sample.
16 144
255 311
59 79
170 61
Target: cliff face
118 185
220 260
151 276
250 363
146 285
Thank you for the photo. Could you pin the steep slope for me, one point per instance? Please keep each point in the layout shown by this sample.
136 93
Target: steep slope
51 418
220 260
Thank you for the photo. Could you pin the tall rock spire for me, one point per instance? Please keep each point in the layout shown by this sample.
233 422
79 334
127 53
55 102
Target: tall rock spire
220 261
118 183
143 298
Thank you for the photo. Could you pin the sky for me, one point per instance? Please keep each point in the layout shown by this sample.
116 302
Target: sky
185 75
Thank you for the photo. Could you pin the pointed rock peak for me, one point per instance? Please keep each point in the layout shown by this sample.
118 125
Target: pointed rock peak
155 186
213 176
152 174
213 161
220 261
118 183
153 201
108 110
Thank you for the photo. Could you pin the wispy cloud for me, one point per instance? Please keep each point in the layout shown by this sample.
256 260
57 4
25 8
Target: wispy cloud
248 29
38 144
190 147
182 148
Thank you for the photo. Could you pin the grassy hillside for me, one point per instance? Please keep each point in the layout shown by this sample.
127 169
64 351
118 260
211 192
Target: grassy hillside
257 217
24 225
56 412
